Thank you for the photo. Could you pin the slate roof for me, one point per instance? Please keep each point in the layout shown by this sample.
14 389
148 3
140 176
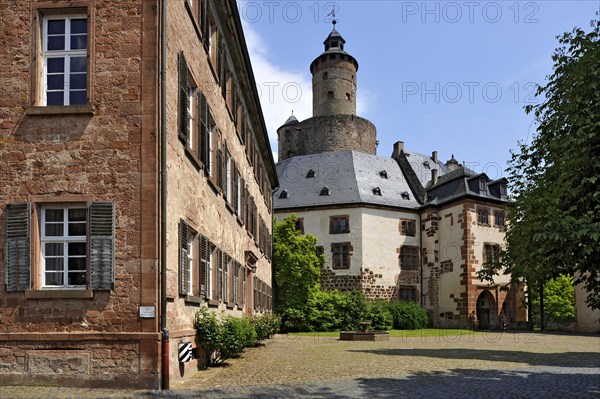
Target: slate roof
350 176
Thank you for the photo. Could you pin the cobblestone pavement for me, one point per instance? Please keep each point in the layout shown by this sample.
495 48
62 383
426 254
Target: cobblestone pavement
482 365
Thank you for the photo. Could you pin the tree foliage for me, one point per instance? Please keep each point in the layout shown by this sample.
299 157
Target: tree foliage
554 220
297 269
559 300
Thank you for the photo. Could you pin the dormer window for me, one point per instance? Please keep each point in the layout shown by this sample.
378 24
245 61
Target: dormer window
310 174
405 195
334 43
383 174
426 164
377 191
482 187
324 191
503 192
283 195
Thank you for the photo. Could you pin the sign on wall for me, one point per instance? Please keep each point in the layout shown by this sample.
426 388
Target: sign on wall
185 352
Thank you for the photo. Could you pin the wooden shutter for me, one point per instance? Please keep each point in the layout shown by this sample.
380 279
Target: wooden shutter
183 99
227 294
243 200
235 178
204 259
220 168
102 245
203 114
184 270
219 274
204 22
18 244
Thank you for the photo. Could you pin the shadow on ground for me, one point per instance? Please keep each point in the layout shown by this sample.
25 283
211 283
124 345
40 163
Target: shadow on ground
562 359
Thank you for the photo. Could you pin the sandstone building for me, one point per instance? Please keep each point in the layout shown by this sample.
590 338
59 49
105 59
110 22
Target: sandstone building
136 178
405 227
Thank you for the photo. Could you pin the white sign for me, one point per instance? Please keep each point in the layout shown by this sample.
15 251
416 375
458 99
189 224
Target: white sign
147 312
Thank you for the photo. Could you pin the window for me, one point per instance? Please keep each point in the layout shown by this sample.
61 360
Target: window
426 165
499 217
491 253
482 187
409 258
339 224
319 250
300 225
64 55
186 258
324 191
226 275
310 174
408 227
67 234
407 293
228 173
63 247
405 195
283 194
383 174
482 216
187 104
377 191
341 253
205 126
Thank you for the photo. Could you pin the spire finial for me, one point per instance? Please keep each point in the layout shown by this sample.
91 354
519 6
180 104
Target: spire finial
332 14
292 112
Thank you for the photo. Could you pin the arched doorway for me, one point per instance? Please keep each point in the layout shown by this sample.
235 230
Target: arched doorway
485 304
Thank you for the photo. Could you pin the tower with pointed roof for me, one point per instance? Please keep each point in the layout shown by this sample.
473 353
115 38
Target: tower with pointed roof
334 125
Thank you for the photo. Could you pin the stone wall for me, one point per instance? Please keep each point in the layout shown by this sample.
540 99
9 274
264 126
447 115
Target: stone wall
102 151
327 133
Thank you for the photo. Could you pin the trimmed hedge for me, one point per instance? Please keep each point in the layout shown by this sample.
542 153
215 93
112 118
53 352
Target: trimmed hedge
408 315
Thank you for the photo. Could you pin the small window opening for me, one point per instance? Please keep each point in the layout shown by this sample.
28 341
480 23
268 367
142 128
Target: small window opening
383 174
310 174
325 75
283 195
426 164
330 94
348 97
377 191
405 195
324 191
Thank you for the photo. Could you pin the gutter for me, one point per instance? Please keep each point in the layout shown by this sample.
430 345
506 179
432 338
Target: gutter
163 196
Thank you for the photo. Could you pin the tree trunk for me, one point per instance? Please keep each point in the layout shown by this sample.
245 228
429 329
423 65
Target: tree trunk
542 313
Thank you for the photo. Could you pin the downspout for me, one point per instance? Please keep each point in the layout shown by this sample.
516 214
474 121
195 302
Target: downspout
273 284
163 195
422 301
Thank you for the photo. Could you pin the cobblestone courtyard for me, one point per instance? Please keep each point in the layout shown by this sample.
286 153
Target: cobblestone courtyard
505 365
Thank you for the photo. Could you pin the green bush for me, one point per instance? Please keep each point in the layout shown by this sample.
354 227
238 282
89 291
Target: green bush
379 315
353 310
408 315
324 310
210 334
265 325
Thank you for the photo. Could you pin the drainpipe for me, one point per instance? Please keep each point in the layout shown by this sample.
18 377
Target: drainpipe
163 195
422 301
273 285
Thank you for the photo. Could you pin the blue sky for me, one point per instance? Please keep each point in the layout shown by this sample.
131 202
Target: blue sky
438 75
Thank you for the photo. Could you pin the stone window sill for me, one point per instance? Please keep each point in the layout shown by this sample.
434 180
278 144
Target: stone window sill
59 294
194 299
85 109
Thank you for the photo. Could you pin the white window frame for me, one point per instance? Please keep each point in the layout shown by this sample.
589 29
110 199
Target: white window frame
190 261
228 179
190 112
65 239
67 53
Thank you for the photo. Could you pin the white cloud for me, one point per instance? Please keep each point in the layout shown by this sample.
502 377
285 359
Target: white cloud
280 91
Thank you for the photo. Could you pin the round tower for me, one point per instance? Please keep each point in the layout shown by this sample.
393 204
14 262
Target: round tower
334 78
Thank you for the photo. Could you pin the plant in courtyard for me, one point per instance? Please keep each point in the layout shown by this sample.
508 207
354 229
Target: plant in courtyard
408 315
352 310
554 220
209 332
559 300
379 315
297 271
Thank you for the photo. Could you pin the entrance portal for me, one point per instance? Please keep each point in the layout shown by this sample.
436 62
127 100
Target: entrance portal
485 305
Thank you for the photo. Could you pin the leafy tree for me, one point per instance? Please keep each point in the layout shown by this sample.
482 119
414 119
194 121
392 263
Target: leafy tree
559 300
297 270
554 220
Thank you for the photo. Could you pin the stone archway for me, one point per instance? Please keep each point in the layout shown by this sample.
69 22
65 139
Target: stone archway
485 305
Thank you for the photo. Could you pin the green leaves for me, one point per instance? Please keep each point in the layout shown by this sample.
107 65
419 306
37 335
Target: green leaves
554 221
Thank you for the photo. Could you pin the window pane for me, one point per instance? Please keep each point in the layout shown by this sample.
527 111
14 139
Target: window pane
78 81
76 264
54 229
54 215
56 82
56 42
54 279
78 97
55 98
77 215
78 64
55 264
76 248
56 26
77 278
78 42
76 229
55 65
54 249
79 25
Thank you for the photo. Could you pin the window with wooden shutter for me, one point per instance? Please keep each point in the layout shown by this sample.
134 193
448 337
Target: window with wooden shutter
236 282
204 23
226 292
219 168
219 274
102 245
184 100
184 272
204 267
203 135
17 250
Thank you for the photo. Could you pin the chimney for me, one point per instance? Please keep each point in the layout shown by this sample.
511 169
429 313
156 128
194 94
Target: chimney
434 176
398 147
435 158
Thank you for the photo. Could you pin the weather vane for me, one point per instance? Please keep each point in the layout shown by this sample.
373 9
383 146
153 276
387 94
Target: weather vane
332 14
